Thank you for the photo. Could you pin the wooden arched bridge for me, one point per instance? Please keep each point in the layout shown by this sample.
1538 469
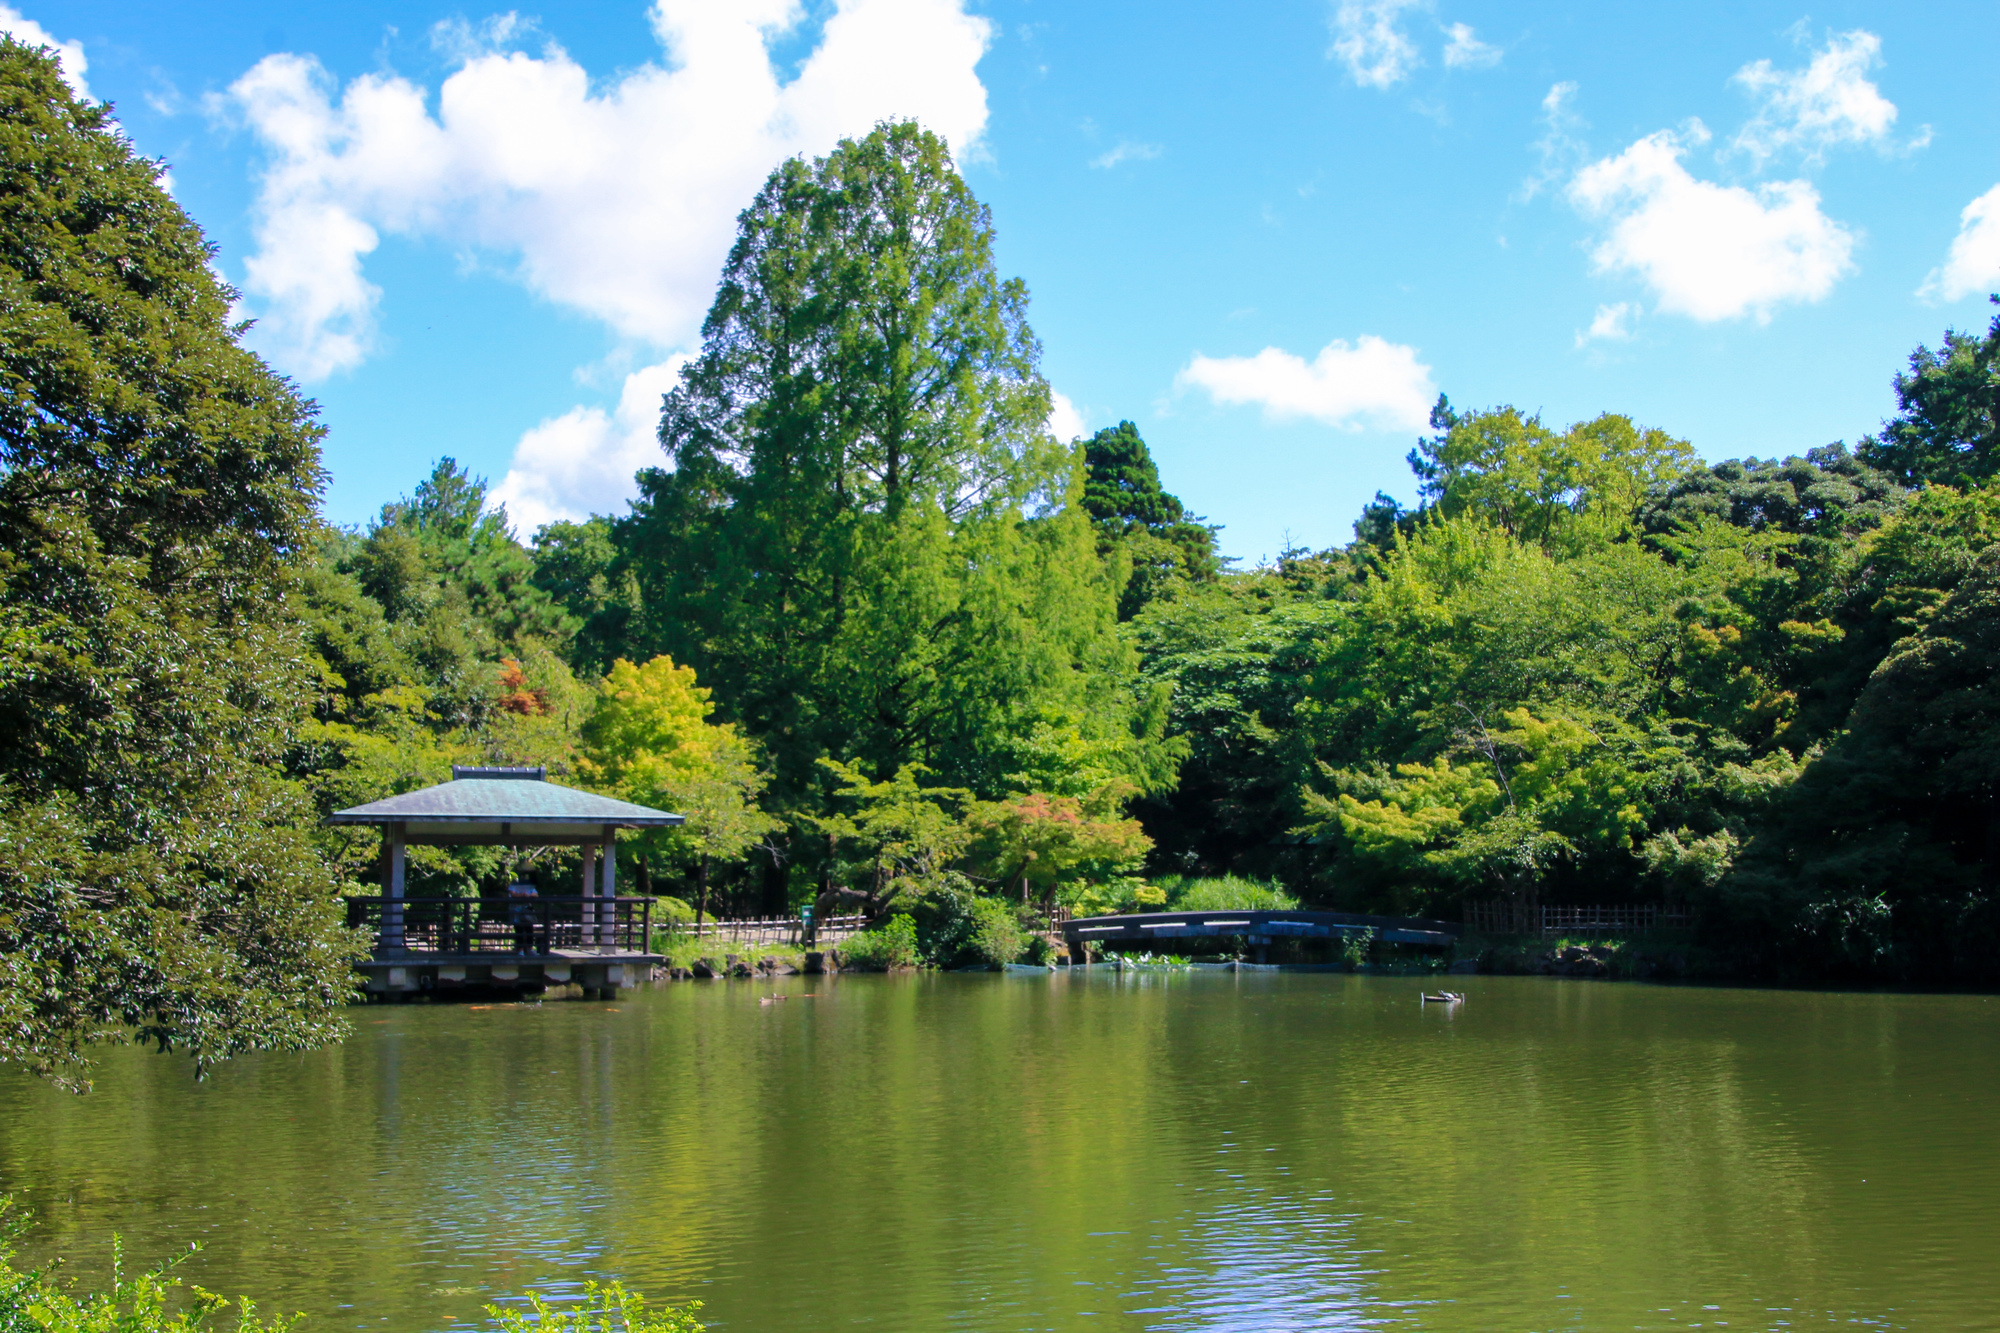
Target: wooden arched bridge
1258 929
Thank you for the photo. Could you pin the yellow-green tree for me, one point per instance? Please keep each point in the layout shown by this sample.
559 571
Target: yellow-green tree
649 740
1500 809
1539 485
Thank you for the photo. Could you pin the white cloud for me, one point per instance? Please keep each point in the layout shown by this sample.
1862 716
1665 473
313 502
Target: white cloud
1709 251
1373 383
1973 263
1127 152
1612 324
1829 103
1065 422
461 39
31 33
1561 146
1369 40
1462 50
618 199
582 461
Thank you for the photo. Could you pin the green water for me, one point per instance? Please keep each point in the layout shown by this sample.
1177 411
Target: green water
1240 1152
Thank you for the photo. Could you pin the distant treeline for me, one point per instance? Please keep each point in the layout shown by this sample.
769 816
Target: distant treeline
882 637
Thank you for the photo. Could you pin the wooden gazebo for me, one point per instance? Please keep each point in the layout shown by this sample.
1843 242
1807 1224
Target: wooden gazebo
593 938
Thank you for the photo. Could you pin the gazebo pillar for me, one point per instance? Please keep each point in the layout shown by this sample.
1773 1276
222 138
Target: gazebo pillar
589 909
391 936
607 911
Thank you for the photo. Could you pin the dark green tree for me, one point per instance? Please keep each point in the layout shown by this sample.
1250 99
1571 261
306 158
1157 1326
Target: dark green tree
584 570
1882 861
158 486
1166 545
1947 432
446 551
1827 493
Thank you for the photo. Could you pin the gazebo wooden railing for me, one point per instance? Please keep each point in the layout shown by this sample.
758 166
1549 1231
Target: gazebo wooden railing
507 925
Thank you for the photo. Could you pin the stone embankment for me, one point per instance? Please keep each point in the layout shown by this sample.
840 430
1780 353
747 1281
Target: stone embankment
1617 961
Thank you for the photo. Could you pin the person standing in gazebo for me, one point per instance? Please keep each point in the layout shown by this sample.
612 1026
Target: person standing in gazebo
521 910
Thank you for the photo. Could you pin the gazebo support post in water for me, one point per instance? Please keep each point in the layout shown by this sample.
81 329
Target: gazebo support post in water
594 940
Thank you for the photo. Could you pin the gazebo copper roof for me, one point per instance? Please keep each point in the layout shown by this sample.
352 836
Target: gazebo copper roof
504 805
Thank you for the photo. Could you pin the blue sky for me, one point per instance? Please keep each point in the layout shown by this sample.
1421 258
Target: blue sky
1268 234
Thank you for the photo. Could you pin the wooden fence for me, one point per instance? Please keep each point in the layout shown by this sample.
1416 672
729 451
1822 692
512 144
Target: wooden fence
788 931
1500 916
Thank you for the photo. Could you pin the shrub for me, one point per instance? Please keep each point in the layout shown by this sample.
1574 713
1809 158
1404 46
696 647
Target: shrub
1229 893
984 931
893 944
671 913
958 926
672 920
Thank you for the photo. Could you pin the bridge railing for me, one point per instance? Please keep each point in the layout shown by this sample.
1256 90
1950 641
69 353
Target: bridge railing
1259 926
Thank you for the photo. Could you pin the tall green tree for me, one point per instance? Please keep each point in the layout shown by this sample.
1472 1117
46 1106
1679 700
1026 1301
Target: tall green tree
869 543
432 644
158 486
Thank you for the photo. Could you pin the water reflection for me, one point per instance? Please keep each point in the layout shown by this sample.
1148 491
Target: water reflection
1256 1265
1173 1152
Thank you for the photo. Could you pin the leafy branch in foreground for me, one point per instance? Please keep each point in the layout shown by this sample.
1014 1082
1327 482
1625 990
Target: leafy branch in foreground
32 1302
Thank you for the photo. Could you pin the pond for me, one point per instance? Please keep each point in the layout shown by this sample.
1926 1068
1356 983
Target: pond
1248 1151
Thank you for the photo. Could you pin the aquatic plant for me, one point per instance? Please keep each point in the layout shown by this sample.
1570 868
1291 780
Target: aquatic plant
605 1308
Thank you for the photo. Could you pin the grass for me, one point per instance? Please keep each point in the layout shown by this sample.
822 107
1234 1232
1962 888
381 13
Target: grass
683 949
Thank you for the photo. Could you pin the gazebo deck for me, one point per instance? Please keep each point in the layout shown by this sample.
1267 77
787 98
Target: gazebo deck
600 975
